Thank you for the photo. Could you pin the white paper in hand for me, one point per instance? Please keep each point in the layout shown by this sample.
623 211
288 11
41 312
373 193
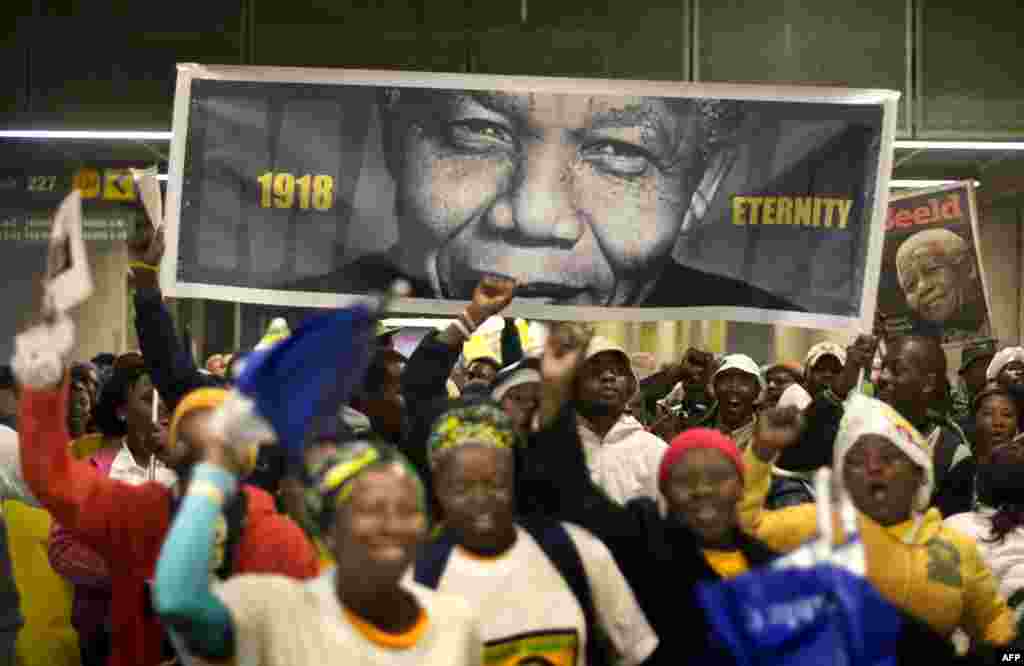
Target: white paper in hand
68 279
149 192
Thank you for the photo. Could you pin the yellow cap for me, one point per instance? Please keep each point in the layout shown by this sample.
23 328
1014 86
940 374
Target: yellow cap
198 399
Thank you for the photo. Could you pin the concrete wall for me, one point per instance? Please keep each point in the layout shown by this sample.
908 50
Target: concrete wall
102 323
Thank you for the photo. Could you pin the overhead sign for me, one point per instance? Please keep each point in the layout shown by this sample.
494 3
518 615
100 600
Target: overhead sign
118 185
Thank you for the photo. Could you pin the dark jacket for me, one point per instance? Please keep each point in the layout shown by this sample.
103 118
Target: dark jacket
425 391
175 375
659 557
170 364
954 484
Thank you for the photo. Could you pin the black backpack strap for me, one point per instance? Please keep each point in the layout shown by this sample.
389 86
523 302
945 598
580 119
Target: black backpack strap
554 540
432 560
943 453
236 513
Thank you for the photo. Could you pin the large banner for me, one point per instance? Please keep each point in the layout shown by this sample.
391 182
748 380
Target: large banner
932 281
605 199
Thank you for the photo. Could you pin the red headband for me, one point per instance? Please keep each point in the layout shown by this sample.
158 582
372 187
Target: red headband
699 438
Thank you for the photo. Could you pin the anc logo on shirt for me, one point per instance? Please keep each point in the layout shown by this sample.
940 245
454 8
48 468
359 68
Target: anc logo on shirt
944 563
559 647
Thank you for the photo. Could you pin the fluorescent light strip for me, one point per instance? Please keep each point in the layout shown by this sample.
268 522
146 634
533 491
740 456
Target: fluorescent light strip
86 135
961 145
911 184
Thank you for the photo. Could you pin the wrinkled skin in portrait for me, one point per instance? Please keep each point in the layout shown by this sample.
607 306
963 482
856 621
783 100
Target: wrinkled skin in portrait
581 198
937 274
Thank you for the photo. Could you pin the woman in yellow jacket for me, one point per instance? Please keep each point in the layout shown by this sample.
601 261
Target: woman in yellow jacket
931 571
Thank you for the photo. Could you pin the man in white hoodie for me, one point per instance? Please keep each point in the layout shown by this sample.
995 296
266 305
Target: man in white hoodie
622 456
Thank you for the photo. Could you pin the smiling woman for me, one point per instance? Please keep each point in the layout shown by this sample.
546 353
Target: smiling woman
372 505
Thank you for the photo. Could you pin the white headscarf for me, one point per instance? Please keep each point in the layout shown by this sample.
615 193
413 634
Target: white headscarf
1002 359
867 416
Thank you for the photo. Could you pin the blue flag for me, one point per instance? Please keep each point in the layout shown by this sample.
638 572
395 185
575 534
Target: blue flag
310 374
816 615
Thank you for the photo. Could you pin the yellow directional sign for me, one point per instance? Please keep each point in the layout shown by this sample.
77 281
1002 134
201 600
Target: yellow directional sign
118 185
87 181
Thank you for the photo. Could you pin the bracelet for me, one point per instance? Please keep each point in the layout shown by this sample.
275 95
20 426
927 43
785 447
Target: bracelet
144 265
457 323
203 488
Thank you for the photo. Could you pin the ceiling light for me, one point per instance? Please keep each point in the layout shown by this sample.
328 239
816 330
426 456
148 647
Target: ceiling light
915 184
961 145
90 135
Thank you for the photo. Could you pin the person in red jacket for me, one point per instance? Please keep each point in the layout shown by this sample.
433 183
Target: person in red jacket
127 524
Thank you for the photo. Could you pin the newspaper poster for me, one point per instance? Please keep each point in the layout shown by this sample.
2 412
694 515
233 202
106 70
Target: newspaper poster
627 200
68 282
933 281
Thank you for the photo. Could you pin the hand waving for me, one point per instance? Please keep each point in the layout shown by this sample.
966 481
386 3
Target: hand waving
563 354
777 429
491 296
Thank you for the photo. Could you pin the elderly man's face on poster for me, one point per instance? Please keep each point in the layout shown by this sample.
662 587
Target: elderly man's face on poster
579 197
937 274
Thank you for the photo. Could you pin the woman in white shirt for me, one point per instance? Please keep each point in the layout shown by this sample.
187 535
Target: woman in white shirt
359 613
545 591
997 522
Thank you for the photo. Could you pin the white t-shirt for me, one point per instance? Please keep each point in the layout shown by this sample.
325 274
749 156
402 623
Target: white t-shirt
526 608
279 621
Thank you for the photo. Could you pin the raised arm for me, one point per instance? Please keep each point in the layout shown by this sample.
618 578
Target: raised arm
170 364
78 495
511 344
426 374
783 530
181 593
552 474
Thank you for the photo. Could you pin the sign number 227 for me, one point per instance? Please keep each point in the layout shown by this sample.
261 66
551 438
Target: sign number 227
284 190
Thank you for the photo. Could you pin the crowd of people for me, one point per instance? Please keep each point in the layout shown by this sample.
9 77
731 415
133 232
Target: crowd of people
527 510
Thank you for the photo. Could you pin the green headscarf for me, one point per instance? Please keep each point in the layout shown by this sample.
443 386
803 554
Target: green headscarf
332 479
482 424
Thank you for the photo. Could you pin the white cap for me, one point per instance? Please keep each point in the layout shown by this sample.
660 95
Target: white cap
824 349
743 363
1002 359
600 345
521 373
867 416
795 396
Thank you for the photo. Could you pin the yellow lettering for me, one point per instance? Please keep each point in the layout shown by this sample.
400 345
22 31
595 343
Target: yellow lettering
737 211
816 216
844 212
826 213
785 213
768 211
802 211
755 207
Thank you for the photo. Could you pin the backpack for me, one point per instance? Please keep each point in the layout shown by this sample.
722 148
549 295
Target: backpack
559 548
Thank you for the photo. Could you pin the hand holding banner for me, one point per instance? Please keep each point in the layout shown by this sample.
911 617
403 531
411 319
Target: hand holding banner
149 192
